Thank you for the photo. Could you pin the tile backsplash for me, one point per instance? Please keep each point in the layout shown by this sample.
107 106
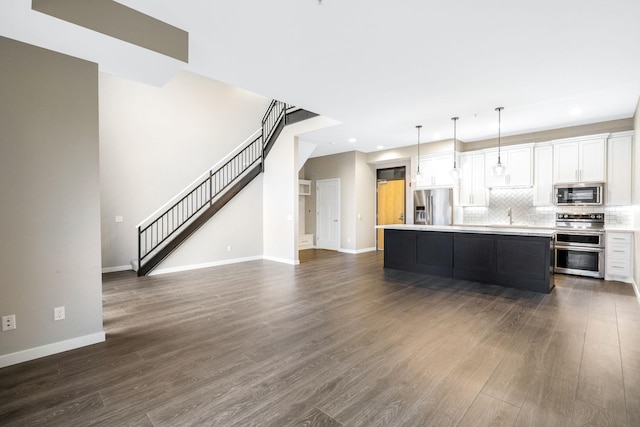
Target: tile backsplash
520 200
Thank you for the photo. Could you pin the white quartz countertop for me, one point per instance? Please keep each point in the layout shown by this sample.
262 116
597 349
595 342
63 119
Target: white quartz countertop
478 229
618 230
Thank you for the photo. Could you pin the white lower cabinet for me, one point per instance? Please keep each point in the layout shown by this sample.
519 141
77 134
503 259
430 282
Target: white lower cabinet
306 241
619 256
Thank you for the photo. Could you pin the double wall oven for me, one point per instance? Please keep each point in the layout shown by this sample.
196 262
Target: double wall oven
579 244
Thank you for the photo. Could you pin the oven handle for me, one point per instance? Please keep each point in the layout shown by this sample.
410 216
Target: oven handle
580 248
559 230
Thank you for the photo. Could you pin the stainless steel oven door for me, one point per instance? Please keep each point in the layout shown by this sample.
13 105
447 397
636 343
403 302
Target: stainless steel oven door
580 238
582 261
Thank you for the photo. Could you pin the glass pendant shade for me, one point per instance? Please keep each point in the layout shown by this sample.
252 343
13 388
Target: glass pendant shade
499 168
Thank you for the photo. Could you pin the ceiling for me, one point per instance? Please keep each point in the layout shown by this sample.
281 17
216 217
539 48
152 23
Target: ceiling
382 67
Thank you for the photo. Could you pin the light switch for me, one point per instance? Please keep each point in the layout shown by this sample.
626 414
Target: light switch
119 218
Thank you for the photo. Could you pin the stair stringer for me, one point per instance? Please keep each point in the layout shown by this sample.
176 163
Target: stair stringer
173 258
238 224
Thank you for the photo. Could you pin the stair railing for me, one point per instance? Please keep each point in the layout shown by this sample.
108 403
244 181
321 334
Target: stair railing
275 113
156 231
167 221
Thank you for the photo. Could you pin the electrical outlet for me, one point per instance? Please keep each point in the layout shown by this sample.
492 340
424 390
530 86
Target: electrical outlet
8 322
58 313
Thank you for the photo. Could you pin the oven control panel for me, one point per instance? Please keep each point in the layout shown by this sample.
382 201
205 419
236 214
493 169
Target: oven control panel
580 220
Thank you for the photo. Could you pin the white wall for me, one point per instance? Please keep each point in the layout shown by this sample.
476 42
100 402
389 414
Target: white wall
234 234
636 196
280 200
155 141
280 192
50 216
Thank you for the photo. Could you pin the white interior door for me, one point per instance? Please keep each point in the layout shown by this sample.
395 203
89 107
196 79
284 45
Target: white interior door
328 214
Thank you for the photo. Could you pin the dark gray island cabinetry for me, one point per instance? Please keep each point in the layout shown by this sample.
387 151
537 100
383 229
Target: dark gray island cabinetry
507 257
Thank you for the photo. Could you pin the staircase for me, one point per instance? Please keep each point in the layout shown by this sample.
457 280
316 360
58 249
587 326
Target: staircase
166 229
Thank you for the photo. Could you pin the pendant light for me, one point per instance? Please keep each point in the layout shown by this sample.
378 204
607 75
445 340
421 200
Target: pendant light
499 168
455 172
418 158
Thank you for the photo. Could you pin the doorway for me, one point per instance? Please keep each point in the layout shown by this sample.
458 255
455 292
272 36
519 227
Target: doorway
390 200
328 214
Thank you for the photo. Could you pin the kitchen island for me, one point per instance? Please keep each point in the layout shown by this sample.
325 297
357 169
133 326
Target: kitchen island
508 256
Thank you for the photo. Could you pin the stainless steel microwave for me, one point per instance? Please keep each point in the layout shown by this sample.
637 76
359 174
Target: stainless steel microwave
581 194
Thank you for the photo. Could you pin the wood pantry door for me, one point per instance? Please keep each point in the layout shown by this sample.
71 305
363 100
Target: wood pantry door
390 205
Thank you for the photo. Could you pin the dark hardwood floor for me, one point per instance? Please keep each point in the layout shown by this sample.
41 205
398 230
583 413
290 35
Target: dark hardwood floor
339 341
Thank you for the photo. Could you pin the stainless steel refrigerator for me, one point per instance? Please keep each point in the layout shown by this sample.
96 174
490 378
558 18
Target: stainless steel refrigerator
433 207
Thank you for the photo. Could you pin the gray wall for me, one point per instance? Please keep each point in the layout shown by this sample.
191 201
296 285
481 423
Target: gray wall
50 220
357 197
119 21
549 135
154 142
365 202
340 166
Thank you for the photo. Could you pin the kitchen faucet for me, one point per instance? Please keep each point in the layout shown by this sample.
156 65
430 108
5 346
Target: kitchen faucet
510 215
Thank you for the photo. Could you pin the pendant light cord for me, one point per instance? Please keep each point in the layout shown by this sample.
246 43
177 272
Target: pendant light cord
455 121
418 127
499 110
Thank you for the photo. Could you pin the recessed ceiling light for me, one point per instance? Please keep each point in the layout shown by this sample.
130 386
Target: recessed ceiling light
380 147
352 140
575 111
333 143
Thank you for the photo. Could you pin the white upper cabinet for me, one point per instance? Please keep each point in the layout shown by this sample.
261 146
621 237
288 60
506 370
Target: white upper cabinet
619 163
435 171
472 188
543 175
519 166
592 160
304 187
580 159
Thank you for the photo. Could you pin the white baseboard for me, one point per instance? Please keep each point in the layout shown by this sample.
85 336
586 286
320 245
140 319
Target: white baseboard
116 268
203 265
49 349
357 251
281 260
